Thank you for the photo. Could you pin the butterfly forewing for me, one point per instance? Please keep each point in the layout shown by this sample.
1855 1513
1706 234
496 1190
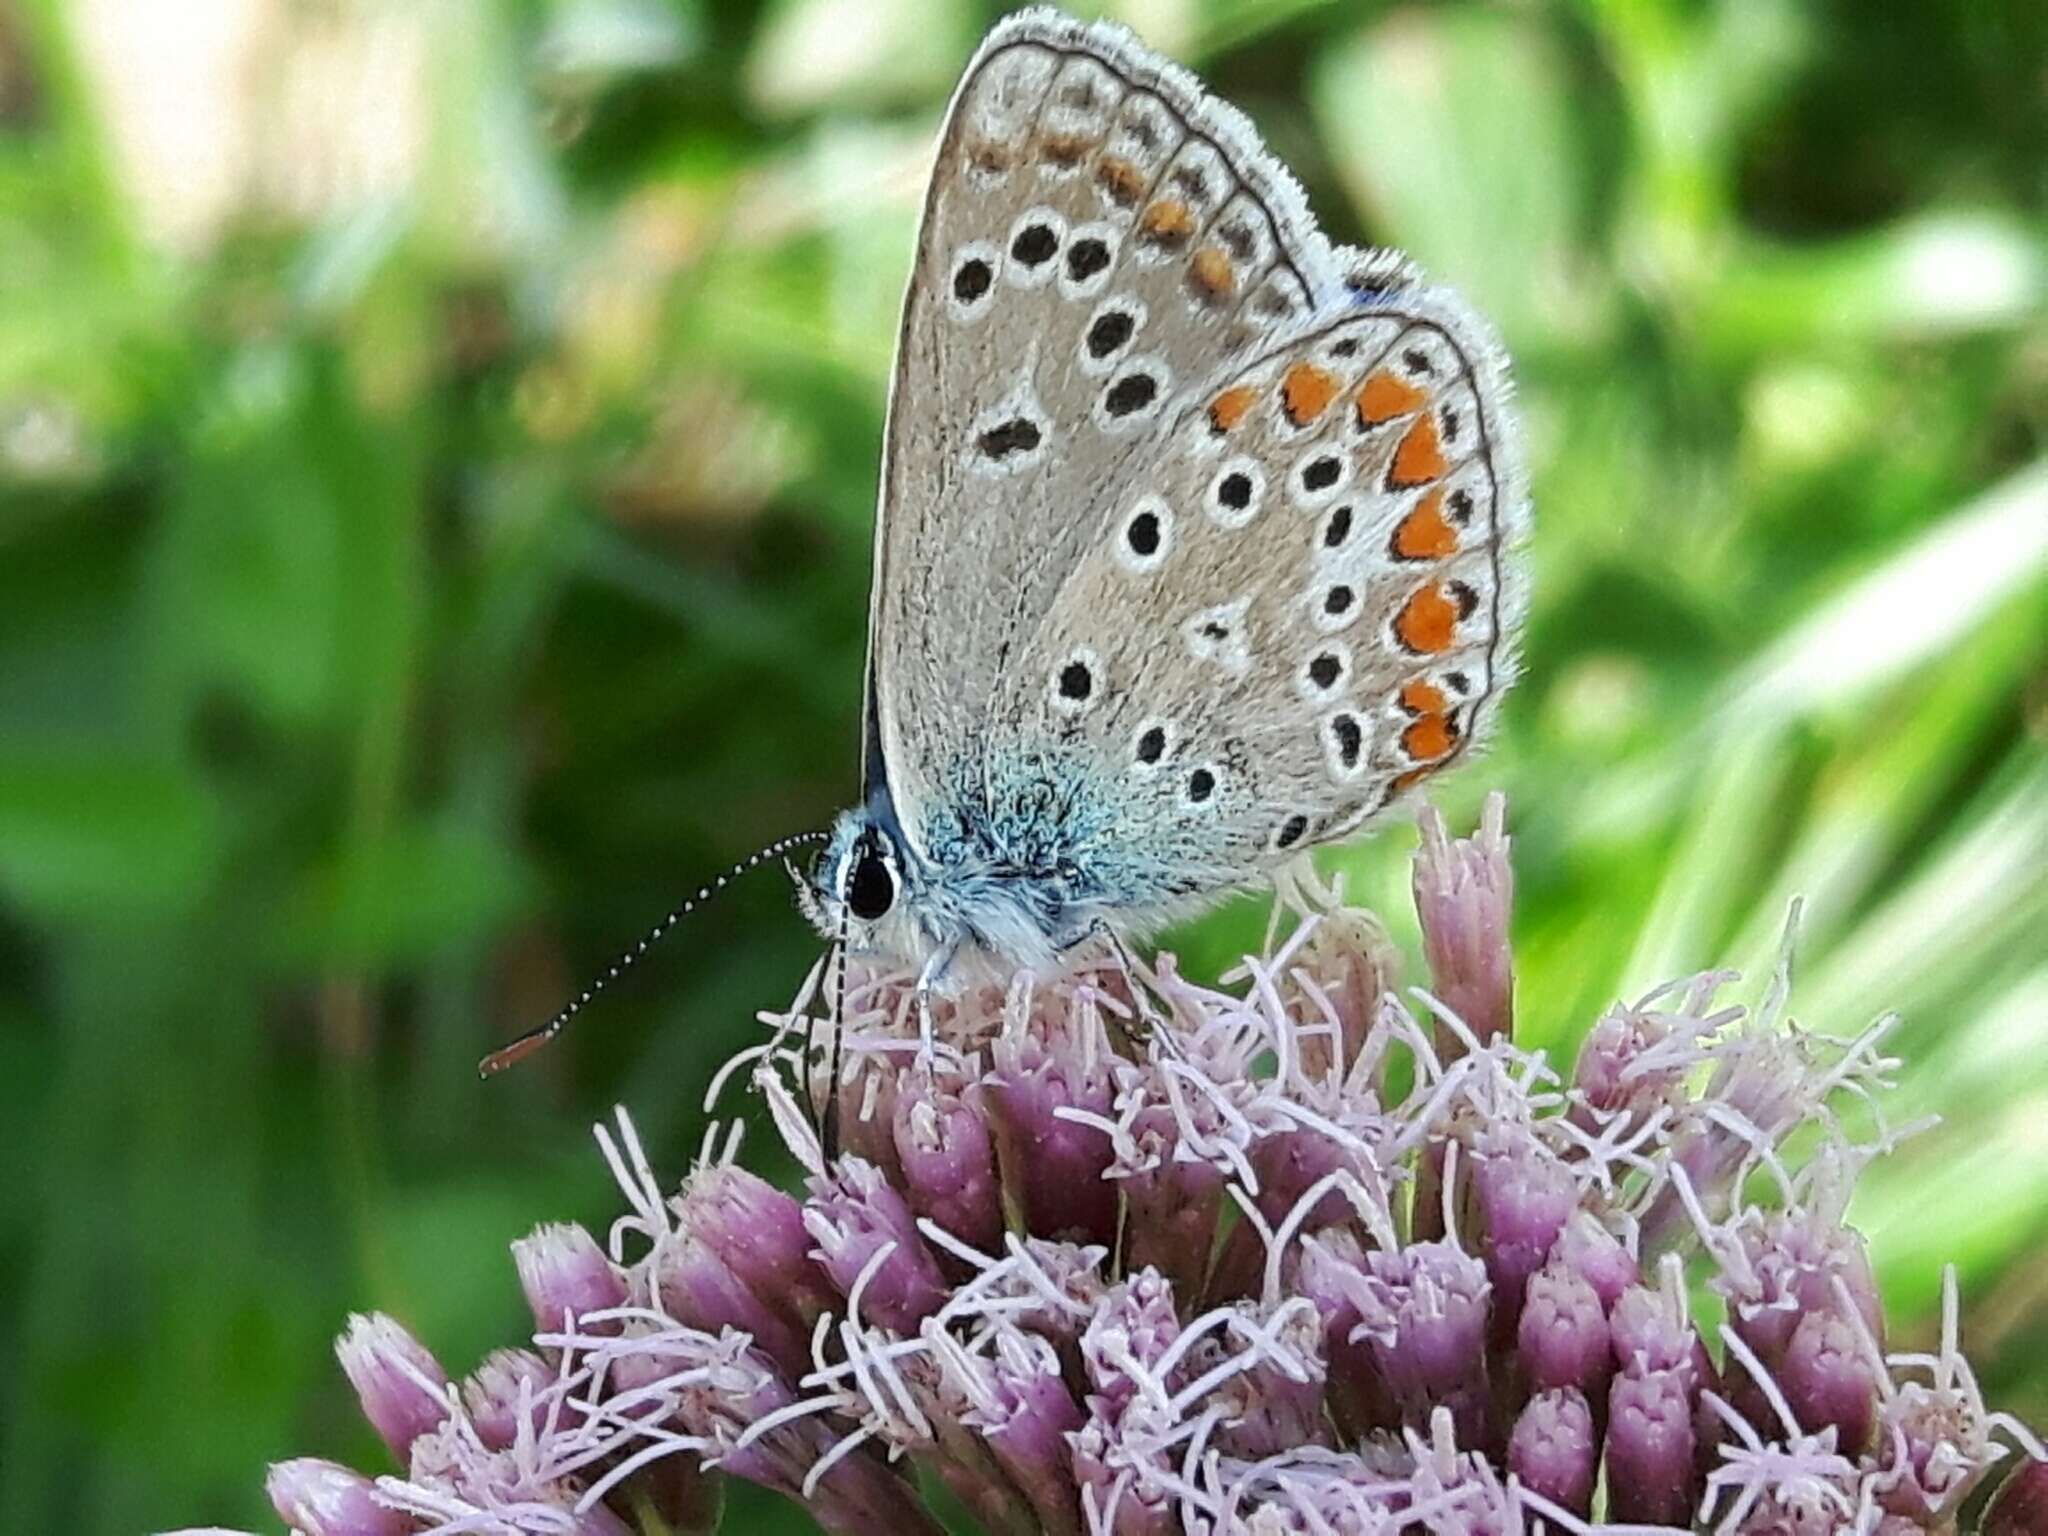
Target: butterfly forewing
1100 239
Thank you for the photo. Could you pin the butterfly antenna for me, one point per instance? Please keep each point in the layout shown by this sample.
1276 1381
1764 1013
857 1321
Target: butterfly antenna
523 1047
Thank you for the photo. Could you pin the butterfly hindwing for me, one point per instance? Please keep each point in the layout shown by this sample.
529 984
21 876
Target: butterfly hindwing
1100 238
1300 605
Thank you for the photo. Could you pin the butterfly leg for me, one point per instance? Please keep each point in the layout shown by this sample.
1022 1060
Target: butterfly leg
936 965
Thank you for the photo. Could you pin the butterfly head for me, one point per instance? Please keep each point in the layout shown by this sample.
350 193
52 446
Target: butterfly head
860 888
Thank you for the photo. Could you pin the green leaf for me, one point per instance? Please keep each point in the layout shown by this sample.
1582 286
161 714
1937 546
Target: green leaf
97 833
1935 275
1452 130
405 895
812 54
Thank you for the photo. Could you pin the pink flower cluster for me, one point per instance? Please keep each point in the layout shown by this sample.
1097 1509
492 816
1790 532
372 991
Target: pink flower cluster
1301 1253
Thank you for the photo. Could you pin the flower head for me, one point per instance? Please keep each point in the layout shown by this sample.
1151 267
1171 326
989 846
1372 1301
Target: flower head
1125 1254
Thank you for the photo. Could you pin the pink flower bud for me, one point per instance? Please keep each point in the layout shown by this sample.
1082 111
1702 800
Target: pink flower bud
1125 1483
725 1387
1562 1340
1172 1208
2021 1508
1135 1324
321 1498
401 1386
1054 1167
1828 1379
853 1216
1275 1401
1635 1061
511 1383
1932 1451
1555 1449
948 1157
1425 1311
1650 1441
1791 1260
1651 1333
1596 1256
1331 1273
1464 893
498 1484
1525 1197
564 1272
1335 985
758 1232
698 1288
1065 1283
1026 1412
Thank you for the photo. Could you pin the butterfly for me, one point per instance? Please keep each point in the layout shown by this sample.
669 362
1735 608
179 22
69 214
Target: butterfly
1196 546
1197 539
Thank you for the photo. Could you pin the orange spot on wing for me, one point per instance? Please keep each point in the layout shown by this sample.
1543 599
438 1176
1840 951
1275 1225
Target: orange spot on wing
1420 458
1429 738
1407 781
1228 408
1065 148
1427 621
1424 534
1123 181
1211 273
1383 397
1167 222
1306 392
988 156
1420 697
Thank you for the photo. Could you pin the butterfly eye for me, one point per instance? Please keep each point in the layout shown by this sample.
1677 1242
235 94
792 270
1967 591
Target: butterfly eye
871 885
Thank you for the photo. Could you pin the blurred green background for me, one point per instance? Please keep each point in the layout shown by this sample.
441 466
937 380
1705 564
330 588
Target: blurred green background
437 454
